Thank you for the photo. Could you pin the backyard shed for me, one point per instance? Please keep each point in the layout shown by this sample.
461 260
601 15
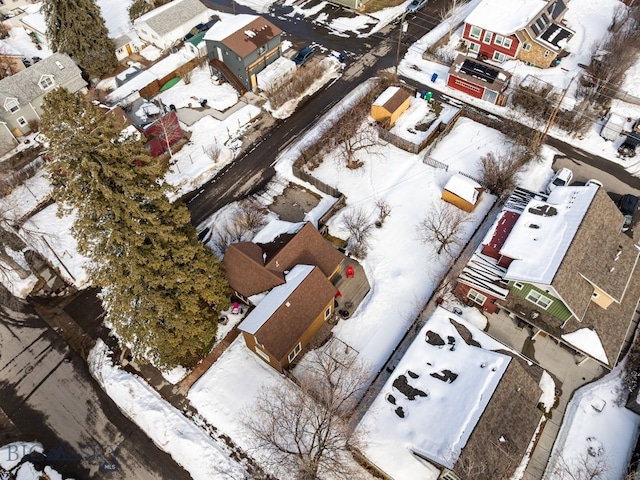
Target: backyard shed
462 192
390 105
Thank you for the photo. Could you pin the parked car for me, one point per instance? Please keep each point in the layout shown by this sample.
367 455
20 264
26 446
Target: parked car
561 178
629 147
628 205
304 55
416 5
595 182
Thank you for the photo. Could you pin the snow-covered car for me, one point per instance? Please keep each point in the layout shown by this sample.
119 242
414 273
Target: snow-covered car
561 178
416 5
629 147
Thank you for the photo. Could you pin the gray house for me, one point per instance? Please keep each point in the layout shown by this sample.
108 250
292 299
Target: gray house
21 95
240 47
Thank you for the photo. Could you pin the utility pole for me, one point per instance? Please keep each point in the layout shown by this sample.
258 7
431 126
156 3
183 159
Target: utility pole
403 29
553 115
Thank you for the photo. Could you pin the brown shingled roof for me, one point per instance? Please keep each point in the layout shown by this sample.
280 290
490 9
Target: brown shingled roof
283 330
255 268
500 438
262 31
396 100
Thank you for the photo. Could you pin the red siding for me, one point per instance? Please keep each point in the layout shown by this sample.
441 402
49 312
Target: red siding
488 49
489 304
466 87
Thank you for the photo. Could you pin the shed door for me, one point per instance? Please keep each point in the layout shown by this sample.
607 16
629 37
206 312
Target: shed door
219 51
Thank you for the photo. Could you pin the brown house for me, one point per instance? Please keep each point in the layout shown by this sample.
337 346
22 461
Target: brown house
254 268
289 316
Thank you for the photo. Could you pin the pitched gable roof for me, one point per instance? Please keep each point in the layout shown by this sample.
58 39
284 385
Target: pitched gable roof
281 318
255 268
505 17
24 84
243 34
463 187
392 98
168 17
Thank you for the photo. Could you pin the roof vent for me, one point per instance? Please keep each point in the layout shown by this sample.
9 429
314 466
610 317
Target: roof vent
288 304
534 225
544 210
59 65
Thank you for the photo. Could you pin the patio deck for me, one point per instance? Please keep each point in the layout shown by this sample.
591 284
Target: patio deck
353 290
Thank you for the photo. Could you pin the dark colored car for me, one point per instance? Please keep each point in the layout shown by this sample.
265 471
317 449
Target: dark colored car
304 56
628 205
629 147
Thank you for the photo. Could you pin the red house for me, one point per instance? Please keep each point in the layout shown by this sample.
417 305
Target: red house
479 79
526 30
163 133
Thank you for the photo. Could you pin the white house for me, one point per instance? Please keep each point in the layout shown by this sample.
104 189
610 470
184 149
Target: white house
169 23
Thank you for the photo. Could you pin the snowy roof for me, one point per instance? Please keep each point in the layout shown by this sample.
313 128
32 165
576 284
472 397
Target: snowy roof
243 34
588 341
463 187
275 299
385 96
136 84
543 233
279 70
24 84
168 17
505 16
35 21
434 398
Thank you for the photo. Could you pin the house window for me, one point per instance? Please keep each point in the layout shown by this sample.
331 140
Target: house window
262 355
258 342
487 37
327 313
262 49
22 121
539 299
526 47
499 39
476 296
507 43
499 57
239 59
474 47
46 82
11 105
595 295
475 33
294 353
518 285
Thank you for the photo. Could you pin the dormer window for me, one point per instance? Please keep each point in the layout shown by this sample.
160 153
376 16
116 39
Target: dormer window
46 82
11 105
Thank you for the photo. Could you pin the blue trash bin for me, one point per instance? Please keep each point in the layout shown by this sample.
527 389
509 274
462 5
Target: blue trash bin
434 77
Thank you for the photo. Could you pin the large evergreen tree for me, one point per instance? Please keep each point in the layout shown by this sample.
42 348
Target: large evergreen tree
75 27
162 288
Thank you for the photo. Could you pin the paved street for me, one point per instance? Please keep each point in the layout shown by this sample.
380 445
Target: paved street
49 396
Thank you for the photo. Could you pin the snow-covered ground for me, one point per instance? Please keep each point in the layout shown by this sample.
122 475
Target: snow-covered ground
399 266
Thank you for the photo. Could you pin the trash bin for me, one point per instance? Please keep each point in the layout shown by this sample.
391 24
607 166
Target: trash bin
434 77
428 96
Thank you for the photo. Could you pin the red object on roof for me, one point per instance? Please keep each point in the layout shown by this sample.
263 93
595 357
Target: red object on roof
500 234
350 272
338 294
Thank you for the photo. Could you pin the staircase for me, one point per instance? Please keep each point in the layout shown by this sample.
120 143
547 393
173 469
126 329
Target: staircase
228 75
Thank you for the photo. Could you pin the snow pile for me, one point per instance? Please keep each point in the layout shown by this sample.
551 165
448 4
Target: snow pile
189 446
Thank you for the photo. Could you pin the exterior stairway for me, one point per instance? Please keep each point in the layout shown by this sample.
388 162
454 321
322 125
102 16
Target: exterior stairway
228 75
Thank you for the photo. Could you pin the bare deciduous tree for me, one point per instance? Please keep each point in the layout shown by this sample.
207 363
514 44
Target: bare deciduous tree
384 210
248 217
8 65
357 223
448 15
353 133
213 151
302 429
500 172
444 226
583 467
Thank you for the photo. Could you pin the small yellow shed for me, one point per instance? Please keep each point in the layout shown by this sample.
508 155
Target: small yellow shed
462 192
390 105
